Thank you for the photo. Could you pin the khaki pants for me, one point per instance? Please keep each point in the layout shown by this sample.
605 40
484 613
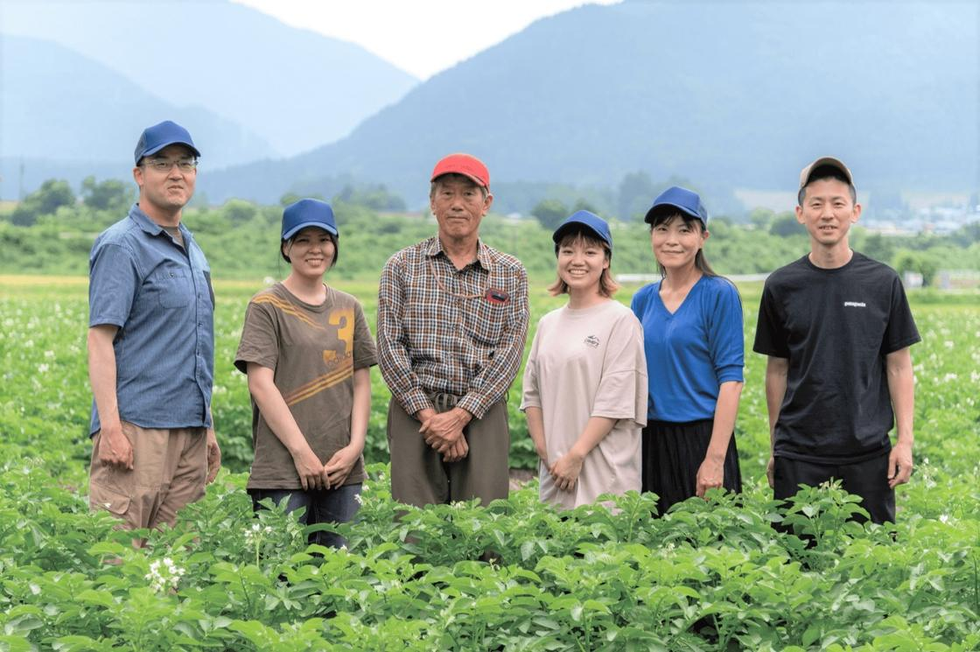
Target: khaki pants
170 468
420 477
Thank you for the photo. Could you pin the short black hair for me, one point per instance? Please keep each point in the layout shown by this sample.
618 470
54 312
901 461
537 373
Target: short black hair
333 239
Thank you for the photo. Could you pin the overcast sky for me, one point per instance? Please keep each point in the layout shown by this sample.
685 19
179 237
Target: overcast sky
423 37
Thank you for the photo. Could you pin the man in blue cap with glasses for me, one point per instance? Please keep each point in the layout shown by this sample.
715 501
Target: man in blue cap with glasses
151 345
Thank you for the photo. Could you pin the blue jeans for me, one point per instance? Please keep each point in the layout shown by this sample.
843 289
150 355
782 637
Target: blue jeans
322 506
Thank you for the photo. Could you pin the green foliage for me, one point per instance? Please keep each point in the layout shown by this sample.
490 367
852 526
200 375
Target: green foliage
877 246
520 196
46 200
785 225
375 197
238 211
550 213
636 194
761 218
107 195
292 198
708 575
922 262
241 239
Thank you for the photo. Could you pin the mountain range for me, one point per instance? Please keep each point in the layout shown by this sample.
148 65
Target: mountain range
738 94
68 107
80 78
728 95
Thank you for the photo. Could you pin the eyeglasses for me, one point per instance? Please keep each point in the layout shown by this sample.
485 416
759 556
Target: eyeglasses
166 164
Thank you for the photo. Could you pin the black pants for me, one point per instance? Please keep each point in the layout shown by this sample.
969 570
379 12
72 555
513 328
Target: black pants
867 479
672 455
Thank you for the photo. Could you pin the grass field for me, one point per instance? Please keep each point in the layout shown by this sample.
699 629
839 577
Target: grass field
707 576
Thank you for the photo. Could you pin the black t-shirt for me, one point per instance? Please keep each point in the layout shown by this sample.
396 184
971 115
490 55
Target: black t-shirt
835 326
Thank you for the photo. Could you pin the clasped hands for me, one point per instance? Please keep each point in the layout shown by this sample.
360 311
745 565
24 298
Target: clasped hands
566 470
315 475
443 431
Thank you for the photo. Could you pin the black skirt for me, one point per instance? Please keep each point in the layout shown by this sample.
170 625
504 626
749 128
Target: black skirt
672 455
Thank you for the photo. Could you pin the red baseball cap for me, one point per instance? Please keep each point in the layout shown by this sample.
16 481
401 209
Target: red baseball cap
468 166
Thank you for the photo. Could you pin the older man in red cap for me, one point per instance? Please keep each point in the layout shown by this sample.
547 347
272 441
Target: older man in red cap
452 321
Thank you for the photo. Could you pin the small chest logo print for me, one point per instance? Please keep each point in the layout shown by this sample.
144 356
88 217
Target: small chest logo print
592 341
855 304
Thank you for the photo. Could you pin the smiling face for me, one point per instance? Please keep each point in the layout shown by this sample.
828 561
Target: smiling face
164 193
311 252
828 211
581 262
676 242
459 206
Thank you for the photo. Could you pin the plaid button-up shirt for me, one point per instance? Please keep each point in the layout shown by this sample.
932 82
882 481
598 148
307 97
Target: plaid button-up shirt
432 340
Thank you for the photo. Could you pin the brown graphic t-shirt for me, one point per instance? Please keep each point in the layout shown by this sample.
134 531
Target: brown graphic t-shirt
313 352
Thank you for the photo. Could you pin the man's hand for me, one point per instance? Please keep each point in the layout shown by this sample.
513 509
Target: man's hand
771 472
457 451
339 466
214 456
443 430
115 449
711 475
899 464
566 470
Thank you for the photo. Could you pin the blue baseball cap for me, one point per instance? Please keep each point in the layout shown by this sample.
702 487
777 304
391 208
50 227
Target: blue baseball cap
684 200
590 221
155 138
308 212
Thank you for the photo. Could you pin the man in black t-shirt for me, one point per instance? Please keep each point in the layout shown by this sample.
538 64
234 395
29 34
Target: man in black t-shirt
837 328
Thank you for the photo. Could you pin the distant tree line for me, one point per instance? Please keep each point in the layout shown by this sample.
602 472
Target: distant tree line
52 230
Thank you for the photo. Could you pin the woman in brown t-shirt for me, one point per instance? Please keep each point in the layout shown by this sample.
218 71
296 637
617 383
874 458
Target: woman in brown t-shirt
307 350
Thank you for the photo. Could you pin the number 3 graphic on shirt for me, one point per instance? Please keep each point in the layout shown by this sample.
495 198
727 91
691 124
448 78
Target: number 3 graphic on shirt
344 321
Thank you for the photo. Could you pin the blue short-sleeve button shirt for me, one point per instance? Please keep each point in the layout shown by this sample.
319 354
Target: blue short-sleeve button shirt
159 295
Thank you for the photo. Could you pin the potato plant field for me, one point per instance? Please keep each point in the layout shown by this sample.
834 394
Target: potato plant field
709 575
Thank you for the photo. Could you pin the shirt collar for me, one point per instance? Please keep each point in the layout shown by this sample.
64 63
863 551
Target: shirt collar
151 227
143 220
482 252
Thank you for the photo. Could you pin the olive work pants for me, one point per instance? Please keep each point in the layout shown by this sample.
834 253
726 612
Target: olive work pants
419 476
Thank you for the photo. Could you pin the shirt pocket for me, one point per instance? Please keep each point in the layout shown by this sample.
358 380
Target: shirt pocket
487 322
172 287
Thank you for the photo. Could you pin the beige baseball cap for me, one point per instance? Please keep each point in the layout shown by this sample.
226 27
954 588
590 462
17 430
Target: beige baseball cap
826 160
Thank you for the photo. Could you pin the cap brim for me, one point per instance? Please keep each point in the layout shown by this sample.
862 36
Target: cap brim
462 174
299 227
581 226
653 209
825 161
154 150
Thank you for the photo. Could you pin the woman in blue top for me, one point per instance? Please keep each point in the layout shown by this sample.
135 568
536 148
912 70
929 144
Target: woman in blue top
692 329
